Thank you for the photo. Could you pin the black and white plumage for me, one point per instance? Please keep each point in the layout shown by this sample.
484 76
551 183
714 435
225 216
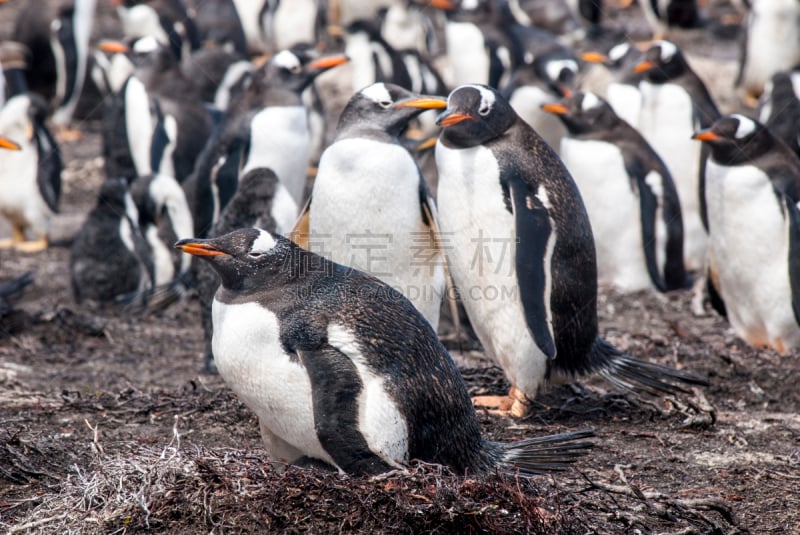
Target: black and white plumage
676 103
341 368
168 21
622 92
629 195
779 108
517 224
109 260
370 207
251 206
663 14
30 176
751 195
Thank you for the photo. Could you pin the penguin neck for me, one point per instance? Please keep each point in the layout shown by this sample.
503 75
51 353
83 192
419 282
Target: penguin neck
735 154
15 82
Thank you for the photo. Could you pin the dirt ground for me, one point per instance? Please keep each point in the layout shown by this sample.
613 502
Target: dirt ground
107 424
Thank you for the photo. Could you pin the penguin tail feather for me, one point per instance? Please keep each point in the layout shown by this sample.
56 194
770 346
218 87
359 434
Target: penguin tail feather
636 375
166 295
12 289
543 455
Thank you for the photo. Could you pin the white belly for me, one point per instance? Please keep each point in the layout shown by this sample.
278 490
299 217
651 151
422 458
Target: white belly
294 24
249 356
666 122
366 214
480 243
614 212
773 41
626 100
467 57
280 140
749 248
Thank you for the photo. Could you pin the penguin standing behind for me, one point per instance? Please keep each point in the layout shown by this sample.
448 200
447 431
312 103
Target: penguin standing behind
30 178
523 256
752 190
109 259
771 43
675 103
622 93
341 368
661 14
779 108
389 229
632 203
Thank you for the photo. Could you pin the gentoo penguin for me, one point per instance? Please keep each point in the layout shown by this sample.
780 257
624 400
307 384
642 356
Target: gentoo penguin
266 126
164 218
779 108
57 34
341 368
109 260
218 25
522 254
372 58
251 206
292 22
632 203
622 93
166 20
30 177
751 195
390 229
771 43
676 103
407 25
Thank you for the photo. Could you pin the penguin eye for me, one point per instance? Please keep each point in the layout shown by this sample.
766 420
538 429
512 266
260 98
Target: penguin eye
385 104
255 254
484 109
295 69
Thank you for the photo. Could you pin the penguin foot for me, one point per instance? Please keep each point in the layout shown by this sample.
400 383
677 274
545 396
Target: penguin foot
500 403
7 243
514 405
34 246
68 135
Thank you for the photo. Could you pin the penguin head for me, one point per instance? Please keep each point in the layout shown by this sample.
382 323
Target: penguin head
662 61
558 72
296 68
583 113
474 115
112 196
245 258
736 139
621 60
387 107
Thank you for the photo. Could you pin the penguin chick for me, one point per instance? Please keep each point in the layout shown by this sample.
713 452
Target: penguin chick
389 229
629 194
523 256
341 368
109 260
752 190
30 175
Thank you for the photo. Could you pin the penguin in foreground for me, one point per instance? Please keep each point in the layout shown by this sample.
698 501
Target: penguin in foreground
522 255
752 190
629 194
109 259
390 227
341 368
30 177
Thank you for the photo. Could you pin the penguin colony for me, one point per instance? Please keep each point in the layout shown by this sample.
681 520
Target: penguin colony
322 254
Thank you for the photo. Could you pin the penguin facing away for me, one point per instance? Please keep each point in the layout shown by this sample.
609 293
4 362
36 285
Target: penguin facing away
523 254
341 368
632 202
779 108
751 196
30 177
390 230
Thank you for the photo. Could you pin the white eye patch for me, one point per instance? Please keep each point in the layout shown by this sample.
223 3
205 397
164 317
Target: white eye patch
554 68
668 50
590 101
145 45
263 244
287 60
746 126
618 52
377 93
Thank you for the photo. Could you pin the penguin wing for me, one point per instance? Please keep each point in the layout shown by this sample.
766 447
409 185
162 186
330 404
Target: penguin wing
793 217
533 252
646 184
48 176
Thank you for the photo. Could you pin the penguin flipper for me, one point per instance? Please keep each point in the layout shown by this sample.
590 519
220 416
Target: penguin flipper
636 375
48 176
793 216
542 455
533 229
302 227
335 388
648 206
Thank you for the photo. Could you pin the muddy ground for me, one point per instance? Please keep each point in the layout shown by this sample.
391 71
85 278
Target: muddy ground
107 424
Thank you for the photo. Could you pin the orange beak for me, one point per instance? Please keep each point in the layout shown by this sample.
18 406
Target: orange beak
328 62
6 143
454 118
594 57
555 109
643 66
113 47
442 4
425 103
706 135
198 248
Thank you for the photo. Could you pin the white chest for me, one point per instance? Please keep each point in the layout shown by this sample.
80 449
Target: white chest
527 102
467 56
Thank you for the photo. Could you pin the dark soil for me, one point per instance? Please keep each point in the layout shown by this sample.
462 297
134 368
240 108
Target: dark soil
107 425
